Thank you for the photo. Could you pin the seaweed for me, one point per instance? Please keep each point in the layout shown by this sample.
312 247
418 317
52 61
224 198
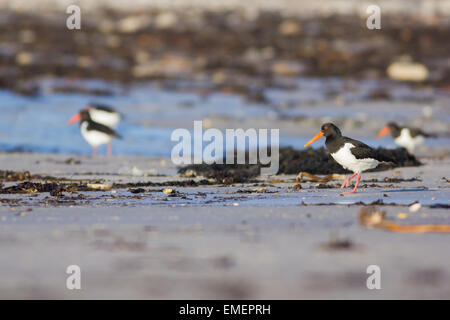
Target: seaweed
314 161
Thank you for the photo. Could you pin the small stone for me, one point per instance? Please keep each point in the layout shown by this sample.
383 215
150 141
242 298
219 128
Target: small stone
106 26
133 23
166 20
99 186
407 71
402 215
84 62
288 68
289 28
24 58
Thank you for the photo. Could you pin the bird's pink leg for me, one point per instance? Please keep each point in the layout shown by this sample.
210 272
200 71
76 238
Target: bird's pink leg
356 185
110 149
94 151
347 181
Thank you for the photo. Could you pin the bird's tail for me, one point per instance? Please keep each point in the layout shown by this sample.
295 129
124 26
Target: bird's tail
431 135
385 157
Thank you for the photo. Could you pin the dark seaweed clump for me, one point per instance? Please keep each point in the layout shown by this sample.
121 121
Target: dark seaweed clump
319 161
184 183
37 187
224 173
314 161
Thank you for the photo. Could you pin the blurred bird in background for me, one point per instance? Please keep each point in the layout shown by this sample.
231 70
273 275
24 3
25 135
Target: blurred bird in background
409 138
97 123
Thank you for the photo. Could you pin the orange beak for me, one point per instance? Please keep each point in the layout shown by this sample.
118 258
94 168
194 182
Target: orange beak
318 136
75 118
383 132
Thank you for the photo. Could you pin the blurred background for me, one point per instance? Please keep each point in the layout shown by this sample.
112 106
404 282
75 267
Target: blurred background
285 64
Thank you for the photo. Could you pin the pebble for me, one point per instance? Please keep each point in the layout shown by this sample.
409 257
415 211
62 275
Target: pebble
287 68
289 28
402 215
407 71
133 23
24 58
166 20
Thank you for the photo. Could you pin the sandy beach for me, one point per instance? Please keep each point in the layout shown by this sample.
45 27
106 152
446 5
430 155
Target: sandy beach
140 227
209 242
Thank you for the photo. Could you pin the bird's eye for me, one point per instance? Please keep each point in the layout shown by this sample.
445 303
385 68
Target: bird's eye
325 128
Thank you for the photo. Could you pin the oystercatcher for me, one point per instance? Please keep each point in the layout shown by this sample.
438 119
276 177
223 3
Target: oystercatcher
104 114
405 137
93 132
101 114
351 154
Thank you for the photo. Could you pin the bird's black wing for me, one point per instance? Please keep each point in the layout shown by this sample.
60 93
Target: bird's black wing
417 132
102 107
102 128
361 150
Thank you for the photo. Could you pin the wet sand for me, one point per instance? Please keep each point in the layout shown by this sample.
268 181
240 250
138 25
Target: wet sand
260 240
153 234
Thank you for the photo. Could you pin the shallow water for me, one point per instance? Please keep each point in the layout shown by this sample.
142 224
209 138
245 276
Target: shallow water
39 124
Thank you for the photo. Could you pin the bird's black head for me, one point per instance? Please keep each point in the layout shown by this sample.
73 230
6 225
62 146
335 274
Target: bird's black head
330 130
81 116
85 115
395 128
392 128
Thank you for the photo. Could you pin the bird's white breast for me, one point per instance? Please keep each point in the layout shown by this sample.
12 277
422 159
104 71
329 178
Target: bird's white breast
93 137
109 119
407 141
347 160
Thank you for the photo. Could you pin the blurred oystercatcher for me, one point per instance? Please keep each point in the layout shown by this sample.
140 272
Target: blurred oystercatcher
105 115
93 132
101 114
351 154
405 137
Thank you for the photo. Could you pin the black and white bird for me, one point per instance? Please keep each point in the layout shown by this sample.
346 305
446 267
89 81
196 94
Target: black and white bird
101 114
351 154
105 115
94 133
409 138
